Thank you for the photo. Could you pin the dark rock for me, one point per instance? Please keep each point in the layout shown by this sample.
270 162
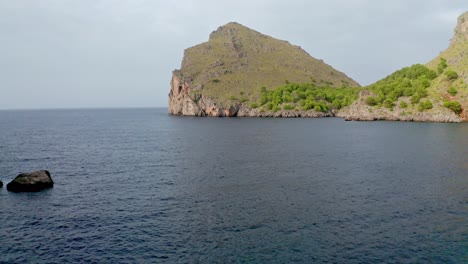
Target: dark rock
31 182
1 184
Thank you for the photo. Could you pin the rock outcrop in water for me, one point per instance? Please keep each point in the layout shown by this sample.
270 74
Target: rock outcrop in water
1 184
220 77
31 182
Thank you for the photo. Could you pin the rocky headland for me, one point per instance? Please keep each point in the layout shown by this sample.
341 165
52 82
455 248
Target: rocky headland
241 72
224 75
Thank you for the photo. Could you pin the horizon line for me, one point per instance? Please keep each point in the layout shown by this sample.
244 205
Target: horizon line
80 108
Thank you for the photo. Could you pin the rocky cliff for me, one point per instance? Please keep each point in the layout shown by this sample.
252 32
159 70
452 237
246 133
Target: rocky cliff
241 72
223 75
448 88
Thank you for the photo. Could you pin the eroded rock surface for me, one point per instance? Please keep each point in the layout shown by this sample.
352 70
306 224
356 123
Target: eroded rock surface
31 182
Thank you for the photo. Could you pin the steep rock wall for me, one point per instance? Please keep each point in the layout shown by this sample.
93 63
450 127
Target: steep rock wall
182 102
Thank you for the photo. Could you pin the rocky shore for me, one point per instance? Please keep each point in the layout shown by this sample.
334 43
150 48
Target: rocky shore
360 111
182 103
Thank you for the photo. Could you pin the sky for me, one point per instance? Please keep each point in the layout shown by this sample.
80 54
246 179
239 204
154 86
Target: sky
115 53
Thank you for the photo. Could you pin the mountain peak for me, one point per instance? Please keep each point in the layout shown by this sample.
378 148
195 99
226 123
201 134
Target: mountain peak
231 29
461 30
234 25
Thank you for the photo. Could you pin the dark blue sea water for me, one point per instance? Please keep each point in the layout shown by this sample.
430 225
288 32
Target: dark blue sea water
140 186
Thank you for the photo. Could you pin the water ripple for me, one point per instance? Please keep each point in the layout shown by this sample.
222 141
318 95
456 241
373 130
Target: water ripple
139 186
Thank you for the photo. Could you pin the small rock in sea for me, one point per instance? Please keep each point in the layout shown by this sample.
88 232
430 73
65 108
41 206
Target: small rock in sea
1 184
31 182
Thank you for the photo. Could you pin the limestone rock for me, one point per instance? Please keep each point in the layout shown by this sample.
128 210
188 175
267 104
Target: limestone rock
461 30
31 182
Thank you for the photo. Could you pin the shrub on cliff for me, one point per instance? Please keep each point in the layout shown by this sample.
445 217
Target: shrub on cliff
451 75
321 107
415 99
388 103
452 91
371 101
424 105
442 65
287 107
454 106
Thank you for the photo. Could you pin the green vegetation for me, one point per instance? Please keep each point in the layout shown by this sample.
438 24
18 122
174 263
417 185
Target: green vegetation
451 75
410 81
307 96
389 104
253 105
454 106
425 105
415 99
403 104
371 101
452 91
287 107
442 66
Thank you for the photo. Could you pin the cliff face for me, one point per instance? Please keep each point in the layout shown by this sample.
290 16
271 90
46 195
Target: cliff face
223 75
441 90
461 30
182 102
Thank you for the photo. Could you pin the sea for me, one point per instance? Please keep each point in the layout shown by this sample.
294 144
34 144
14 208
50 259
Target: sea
142 186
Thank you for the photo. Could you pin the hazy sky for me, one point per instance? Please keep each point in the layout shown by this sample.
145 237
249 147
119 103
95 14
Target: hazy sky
92 53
